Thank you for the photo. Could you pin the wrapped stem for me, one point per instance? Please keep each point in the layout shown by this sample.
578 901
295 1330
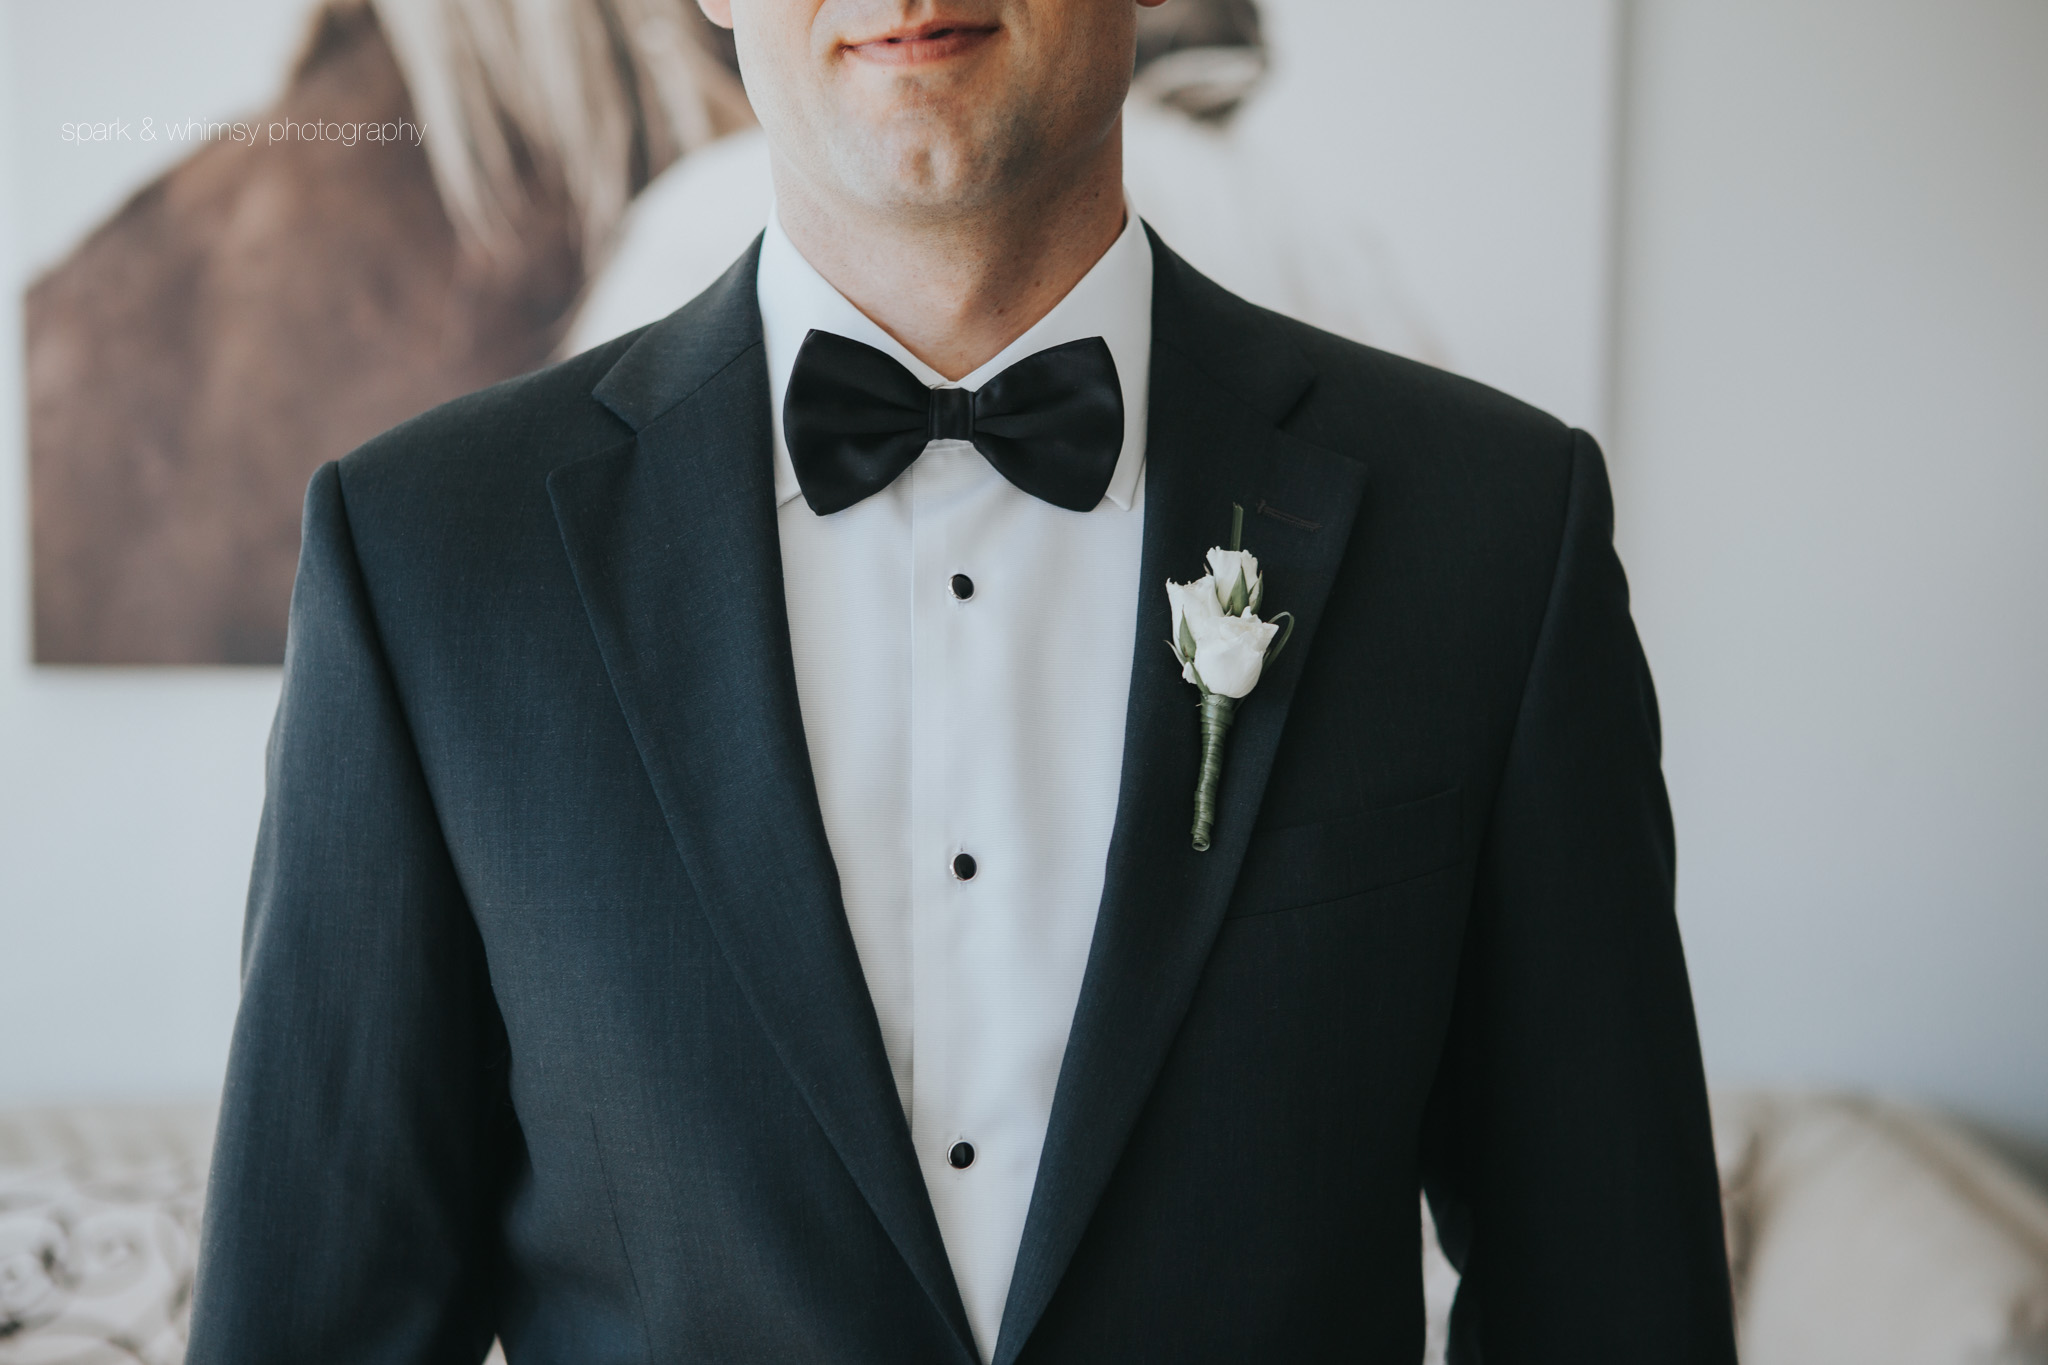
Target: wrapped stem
1217 713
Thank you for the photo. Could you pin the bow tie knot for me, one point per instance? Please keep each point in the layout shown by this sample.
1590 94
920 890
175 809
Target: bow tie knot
854 419
952 415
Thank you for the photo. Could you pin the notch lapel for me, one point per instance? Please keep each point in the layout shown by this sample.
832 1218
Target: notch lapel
673 540
1221 381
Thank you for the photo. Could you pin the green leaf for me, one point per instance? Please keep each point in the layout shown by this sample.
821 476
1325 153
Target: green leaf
1239 597
1280 640
1187 641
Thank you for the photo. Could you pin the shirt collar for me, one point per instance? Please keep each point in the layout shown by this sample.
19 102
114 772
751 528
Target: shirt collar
1112 301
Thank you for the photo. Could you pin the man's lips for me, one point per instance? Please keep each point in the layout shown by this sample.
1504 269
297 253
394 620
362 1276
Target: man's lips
929 42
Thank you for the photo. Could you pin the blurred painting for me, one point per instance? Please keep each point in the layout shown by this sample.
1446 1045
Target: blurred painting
439 194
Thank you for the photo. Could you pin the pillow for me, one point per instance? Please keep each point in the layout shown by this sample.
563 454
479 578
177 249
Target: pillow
99 1228
1871 1234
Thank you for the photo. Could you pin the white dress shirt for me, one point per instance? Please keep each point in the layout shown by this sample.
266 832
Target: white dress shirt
991 726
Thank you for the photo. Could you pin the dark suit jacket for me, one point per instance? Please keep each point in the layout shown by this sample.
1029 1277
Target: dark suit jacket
552 1024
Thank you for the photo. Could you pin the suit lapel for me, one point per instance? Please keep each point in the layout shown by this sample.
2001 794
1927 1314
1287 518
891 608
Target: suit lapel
673 540
1220 383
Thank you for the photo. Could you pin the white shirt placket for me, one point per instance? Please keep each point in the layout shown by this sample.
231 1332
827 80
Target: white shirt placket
990 726
963 928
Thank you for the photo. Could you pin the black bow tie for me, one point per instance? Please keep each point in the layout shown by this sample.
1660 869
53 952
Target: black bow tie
854 419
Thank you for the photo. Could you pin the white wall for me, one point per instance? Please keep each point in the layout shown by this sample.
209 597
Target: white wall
1831 441
1471 144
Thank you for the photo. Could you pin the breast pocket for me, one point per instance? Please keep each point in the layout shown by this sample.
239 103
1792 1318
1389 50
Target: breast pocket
1302 865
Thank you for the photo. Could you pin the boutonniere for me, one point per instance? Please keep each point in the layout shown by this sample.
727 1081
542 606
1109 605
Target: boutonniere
1223 648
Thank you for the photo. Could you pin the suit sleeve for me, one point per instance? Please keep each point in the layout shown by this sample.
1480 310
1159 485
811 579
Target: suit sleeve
351 1211
1567 1151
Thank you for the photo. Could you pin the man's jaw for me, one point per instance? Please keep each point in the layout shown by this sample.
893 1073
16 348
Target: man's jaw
923 44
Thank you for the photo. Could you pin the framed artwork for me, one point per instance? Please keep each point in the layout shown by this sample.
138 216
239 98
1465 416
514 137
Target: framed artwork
255 235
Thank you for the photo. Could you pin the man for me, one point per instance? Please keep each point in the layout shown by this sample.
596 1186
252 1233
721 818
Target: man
727 889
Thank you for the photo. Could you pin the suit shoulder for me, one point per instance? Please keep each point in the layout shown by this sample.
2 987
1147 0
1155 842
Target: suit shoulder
1431 437
1350 398
1372 404
461 489
1477 468
1352 376
505 436
1470 492
1438 445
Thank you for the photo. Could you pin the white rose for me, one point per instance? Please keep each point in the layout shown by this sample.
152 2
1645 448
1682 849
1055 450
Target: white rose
1194 608
1230 652
1227 567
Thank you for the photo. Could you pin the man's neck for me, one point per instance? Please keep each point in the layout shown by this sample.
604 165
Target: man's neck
956 289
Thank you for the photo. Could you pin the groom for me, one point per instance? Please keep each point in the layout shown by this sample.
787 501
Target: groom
727 891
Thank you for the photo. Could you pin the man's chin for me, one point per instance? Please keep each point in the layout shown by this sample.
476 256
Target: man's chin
952 93
925 161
